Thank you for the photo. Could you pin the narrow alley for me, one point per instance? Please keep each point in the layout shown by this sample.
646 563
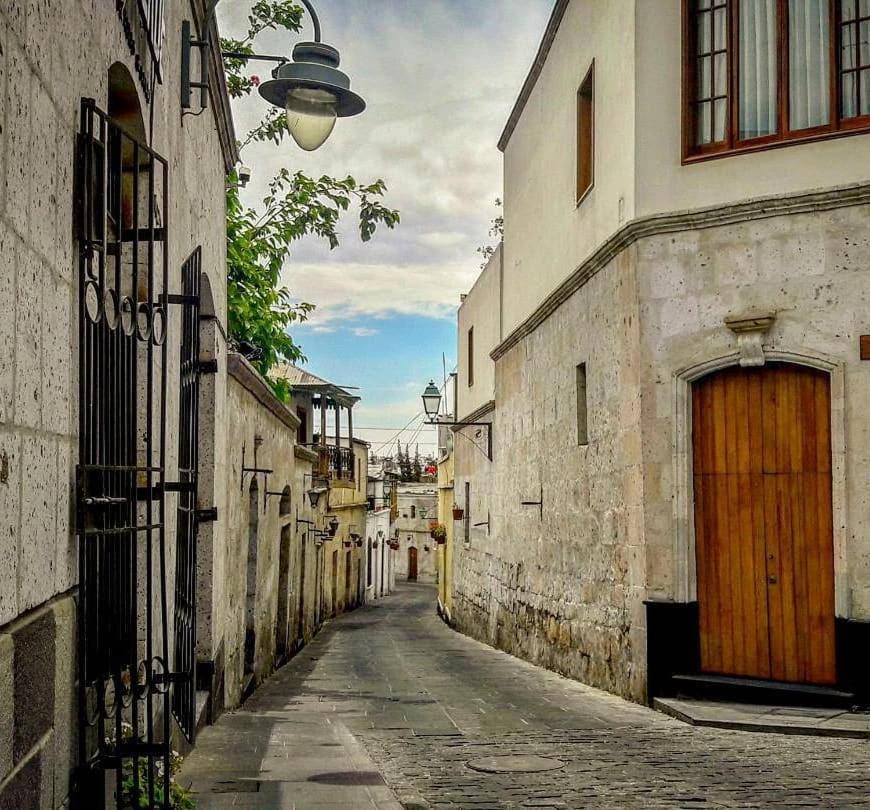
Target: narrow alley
390 708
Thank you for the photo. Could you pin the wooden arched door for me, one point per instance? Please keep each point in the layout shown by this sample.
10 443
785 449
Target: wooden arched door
763 523
412 563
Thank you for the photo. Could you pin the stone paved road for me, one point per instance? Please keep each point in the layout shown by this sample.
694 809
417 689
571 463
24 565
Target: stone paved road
389 693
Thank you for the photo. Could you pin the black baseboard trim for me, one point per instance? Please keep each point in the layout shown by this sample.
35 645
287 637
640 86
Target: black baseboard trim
673 648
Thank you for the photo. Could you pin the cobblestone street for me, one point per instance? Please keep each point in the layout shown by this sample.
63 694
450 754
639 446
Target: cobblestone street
388 706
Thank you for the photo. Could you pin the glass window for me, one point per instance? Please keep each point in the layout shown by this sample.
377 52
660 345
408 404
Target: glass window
809 65
757 68
586 134
711 71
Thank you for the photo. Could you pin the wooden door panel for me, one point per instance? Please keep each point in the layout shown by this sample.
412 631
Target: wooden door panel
763 523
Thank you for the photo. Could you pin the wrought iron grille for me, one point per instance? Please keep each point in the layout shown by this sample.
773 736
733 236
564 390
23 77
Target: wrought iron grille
184 694
123 645
144 28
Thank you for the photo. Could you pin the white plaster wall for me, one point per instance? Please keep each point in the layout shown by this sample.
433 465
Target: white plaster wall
546 234
481 310
663 184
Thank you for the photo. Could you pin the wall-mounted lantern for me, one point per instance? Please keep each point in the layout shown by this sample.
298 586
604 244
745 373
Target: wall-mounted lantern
332 526
432 406
309 87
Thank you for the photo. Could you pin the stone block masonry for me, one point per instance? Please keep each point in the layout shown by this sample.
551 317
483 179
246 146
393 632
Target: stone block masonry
566 588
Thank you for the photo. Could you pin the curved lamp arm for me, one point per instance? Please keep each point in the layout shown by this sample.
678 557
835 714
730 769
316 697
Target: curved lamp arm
314 18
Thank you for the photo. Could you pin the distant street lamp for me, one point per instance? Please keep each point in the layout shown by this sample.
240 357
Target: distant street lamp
432 405
310 89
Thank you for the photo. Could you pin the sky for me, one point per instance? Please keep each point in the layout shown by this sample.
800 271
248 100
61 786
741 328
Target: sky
440 78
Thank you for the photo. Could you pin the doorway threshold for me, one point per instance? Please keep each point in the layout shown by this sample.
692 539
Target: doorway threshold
806 720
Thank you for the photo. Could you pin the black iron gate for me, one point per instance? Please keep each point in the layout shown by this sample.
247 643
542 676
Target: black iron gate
125 681
184 695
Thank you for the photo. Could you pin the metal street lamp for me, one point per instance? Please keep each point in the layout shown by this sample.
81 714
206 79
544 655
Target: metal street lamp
431 400
310 88
432 404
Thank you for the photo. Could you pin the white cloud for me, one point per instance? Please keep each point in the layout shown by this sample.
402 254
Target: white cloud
440 78
364 331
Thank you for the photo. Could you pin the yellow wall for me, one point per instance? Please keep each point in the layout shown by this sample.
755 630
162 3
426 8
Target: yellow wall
445 516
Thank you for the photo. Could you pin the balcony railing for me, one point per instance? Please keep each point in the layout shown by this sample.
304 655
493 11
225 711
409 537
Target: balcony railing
336 463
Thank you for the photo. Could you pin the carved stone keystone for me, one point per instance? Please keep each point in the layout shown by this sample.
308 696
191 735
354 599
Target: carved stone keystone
750 330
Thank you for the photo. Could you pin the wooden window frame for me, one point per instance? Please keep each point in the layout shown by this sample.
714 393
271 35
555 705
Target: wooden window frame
586 184
732 145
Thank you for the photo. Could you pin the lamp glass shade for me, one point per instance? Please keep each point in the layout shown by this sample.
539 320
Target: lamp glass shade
313 497
311 116
431 400
333 527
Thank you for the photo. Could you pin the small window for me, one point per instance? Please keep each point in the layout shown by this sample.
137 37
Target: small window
471 357
467 516
413 511
302 432
586 135
582 423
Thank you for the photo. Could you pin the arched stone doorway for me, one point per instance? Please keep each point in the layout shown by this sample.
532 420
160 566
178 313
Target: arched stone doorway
764 552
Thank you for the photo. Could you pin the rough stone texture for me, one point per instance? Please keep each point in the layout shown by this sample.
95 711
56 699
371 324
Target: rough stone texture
809 269
561 588
53 53
36 575
34 664
10 496
7 704
65 717
567 592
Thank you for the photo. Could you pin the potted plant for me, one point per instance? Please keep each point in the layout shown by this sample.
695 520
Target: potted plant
347 542
439 533
458 512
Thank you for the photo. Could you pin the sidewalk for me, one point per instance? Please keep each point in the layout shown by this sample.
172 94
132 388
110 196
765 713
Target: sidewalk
286 749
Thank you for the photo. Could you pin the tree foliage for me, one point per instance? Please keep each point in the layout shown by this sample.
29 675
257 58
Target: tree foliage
496 231
260 309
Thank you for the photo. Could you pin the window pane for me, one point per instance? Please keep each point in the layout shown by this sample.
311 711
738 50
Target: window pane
720 74
719 118
704 83
720 29
864 43
704 32
864 8
848 47
849 96
809 63
847 9
703 123
758 29
865 92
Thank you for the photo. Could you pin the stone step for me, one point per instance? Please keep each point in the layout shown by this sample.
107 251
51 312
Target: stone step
753 690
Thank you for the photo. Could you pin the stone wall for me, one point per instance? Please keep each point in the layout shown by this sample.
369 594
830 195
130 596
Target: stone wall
809 271
561 585
52 54
259 518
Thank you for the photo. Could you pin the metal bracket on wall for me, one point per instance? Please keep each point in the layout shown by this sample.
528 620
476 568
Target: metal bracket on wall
209 515
255 470
538 503
484 523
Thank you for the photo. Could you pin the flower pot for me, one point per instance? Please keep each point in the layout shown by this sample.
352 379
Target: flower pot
458 513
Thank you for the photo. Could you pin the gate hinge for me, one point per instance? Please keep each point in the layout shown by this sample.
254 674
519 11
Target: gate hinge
207 366
209 515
